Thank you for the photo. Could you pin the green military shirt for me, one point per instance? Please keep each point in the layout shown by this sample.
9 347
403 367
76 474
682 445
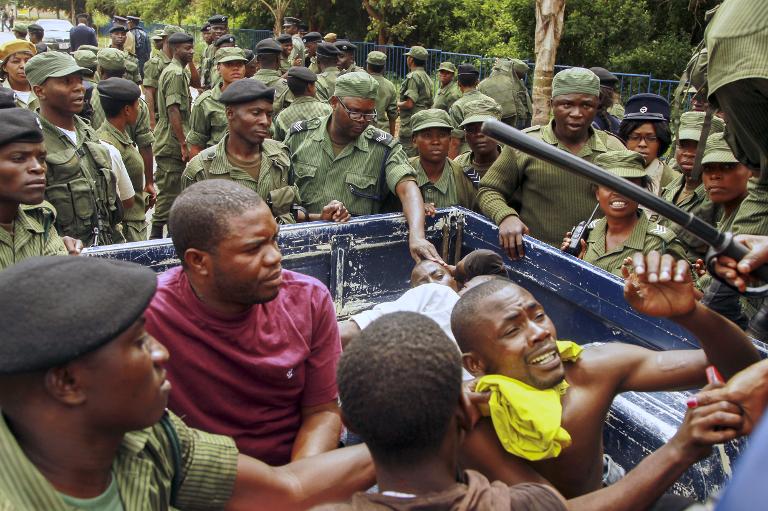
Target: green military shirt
134 164
285 63
313 65
33 103
446 96
553 200
645 237
298 48
418 87
206 65
458 114
173 89
354 176
302 108
208 121
471 169
140 132
751 218
386 102
272 183
326 83
33 235
453 188
143 468
273 78
154 67
697 203
508 92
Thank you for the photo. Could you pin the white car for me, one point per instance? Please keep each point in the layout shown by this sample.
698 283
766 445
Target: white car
56 33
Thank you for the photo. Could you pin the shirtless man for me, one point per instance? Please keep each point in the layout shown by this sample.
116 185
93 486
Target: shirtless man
516 331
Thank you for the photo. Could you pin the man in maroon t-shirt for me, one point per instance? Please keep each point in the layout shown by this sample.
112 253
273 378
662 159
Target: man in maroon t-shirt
254 348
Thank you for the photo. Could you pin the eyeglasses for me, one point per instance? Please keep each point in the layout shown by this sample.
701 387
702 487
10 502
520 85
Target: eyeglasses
649 139
358 116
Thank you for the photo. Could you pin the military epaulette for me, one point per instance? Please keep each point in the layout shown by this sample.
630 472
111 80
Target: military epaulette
305 125
537 127
593 223
473 176
379 136
661 231
609 134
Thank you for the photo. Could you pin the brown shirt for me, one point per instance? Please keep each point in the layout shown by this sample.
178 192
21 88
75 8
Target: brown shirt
475 494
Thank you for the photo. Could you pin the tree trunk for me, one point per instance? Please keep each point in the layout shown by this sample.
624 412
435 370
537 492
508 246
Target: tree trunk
549 30
382 37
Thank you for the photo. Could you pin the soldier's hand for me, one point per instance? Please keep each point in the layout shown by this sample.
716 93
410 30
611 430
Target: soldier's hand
184 153
567 242
422 249
335 211
658 285
151 192
511 231
74 246
297 61
705 426
429 209
738 272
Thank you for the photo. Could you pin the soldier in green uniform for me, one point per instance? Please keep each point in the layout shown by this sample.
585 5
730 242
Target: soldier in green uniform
449 89
87 59
525 103
624 229
26 221
208 122
551 200
20 30
245 155
386 99
225 41
416 94
610 83
341 157
327 60
347 58
117 34
286 43
468 78
219 27
173 107
80 182
119 100
152 70
268 55
311 40
291 27
504 87
442 182
301 83
207 34
483 150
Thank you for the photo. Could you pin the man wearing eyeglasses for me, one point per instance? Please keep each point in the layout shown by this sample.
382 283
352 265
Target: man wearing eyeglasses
342 157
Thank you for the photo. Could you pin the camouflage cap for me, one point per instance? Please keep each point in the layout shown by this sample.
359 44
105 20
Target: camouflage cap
158 35
480 110
622 163
85 58
51 64
691 124
356 85
231 54
20 27
430 118
377 58
89 47
112 59
131 66
576 80
718 150
172 29
417 52
447 66
520 67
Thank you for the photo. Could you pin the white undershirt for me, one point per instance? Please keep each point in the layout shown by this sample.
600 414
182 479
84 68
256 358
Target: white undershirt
71 134
124 186
23 95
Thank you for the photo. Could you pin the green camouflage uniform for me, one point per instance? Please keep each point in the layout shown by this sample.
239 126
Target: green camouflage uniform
206 65
354 176
458 113
446 96
418 87
208 121
508 91
274 79
33 235
302 108
326 83
386 102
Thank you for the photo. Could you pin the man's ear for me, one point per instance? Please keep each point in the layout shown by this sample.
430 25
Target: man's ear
473 364
198 261
63 385
38 90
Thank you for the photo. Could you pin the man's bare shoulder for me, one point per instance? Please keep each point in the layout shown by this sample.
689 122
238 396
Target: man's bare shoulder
599 361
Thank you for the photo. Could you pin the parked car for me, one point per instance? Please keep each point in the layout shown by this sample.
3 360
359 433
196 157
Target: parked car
6 36
56 33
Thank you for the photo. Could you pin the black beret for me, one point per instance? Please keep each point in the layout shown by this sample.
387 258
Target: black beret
606 77
303 26
244 91
57 309
119 89
284 38
268 46
133 18
327 50
117 28
225 39
7 98
468 69
311 37
41 47
121 19
34 27
180 38
302 73
290 20
217 19
249 55
19 124
344 45
206 28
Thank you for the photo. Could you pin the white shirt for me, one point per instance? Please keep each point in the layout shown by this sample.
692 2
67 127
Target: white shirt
124 186
71 134
23 95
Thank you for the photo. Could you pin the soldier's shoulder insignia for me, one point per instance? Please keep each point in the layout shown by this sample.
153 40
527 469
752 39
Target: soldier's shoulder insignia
537 127
593 224
380 136
299 126
473 176
661 231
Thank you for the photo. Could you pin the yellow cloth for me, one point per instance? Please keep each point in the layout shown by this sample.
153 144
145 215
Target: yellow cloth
526 419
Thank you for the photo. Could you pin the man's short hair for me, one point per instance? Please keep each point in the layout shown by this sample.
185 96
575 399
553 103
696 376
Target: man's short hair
467 79
399 384
267 59
200 214
112 107
468 307
419 62
376 68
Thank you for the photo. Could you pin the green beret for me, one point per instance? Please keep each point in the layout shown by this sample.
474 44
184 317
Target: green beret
447 66
19 124
111 59
230 54
520 67
89 47
85 58
576 80
158 35
377 58
356 85
691 124
718 150
57 309
480 110
172 29
622 163
430 118
20 27
417 52
51 64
